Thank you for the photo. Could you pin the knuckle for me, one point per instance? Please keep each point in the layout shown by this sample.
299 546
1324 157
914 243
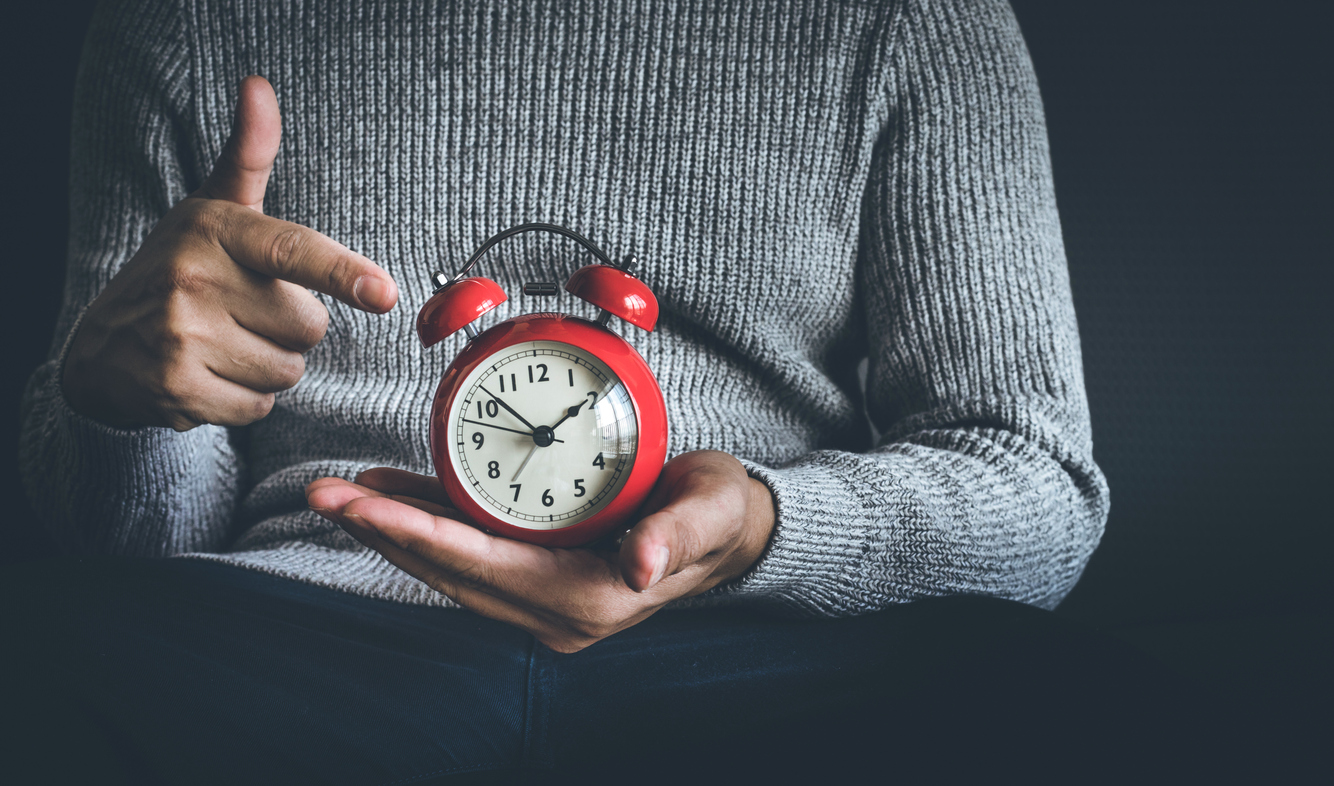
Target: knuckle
478 572
204 217
289 370
589 624
189 333
690 544
341 274
173 382
188 278
284 250
259 407
179 338
444 586
475 574
185 411
312 323
592 631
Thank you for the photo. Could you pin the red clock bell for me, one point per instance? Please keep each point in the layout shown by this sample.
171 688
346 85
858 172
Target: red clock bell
547 428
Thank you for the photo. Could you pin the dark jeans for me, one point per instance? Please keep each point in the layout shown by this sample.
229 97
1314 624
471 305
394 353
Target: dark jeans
184 671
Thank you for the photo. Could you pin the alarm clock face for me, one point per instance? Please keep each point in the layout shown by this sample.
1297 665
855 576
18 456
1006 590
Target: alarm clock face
544 435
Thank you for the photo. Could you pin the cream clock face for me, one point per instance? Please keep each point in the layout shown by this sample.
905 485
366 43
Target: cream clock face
544 435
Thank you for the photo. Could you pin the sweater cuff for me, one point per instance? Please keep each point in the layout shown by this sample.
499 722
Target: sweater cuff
810 548
84 430
75 465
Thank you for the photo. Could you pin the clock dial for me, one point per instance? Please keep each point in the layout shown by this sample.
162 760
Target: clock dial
544 434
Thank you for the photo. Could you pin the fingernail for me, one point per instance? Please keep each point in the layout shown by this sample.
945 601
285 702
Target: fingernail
660 565
355 519
372 292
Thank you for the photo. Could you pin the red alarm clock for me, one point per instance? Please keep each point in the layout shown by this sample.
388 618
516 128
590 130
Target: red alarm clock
547 428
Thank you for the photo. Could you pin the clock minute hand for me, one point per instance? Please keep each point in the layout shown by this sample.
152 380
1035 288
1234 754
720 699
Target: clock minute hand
503 428
530 426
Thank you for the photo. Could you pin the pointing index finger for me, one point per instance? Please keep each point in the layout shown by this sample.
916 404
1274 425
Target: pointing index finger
301 255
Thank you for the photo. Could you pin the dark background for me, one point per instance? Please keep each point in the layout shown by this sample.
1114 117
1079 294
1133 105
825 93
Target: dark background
1190 143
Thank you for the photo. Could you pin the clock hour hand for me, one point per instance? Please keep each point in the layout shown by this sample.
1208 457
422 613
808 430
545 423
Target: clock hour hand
502 428
530 426
569 413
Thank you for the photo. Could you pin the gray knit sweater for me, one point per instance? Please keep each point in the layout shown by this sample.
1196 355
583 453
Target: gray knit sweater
806 184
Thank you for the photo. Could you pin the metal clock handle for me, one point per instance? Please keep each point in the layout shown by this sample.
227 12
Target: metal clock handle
459 301
439 277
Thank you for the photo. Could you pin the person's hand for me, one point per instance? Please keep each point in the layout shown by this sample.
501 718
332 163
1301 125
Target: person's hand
209 318
705 522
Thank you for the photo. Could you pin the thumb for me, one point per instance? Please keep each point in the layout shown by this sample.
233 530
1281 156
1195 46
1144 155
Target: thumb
242 171
705 516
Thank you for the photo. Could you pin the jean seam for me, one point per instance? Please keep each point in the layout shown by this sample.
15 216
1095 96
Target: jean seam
535 748
532 747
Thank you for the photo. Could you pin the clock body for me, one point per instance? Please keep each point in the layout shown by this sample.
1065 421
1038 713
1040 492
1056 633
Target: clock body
550 429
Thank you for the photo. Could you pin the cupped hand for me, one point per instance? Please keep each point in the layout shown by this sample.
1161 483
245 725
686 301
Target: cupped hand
706 522
208 319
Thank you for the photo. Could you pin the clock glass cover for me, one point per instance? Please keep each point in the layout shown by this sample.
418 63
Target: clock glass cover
544 434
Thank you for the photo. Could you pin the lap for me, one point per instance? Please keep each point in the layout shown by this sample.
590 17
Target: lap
259 679
191 671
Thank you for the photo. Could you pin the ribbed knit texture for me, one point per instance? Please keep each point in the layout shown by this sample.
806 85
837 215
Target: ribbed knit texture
806 184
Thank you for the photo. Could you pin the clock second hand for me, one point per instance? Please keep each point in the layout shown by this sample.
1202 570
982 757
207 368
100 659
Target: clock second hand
519 471
569 413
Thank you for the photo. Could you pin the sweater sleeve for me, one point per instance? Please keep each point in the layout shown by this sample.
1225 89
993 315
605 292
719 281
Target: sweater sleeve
983 481
150 491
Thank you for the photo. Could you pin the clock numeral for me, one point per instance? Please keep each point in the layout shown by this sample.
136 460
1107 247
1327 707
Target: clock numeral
579 484
546 498
542 378
502 383
571 377
513 385
516 487
478 439
593 395
493 469
492 409
598 462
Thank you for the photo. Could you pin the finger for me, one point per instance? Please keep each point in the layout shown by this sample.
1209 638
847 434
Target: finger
329 496
280 311
566 605
399 481
470 597
505 568
254 361
218 401
301 255
703 518
241 173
